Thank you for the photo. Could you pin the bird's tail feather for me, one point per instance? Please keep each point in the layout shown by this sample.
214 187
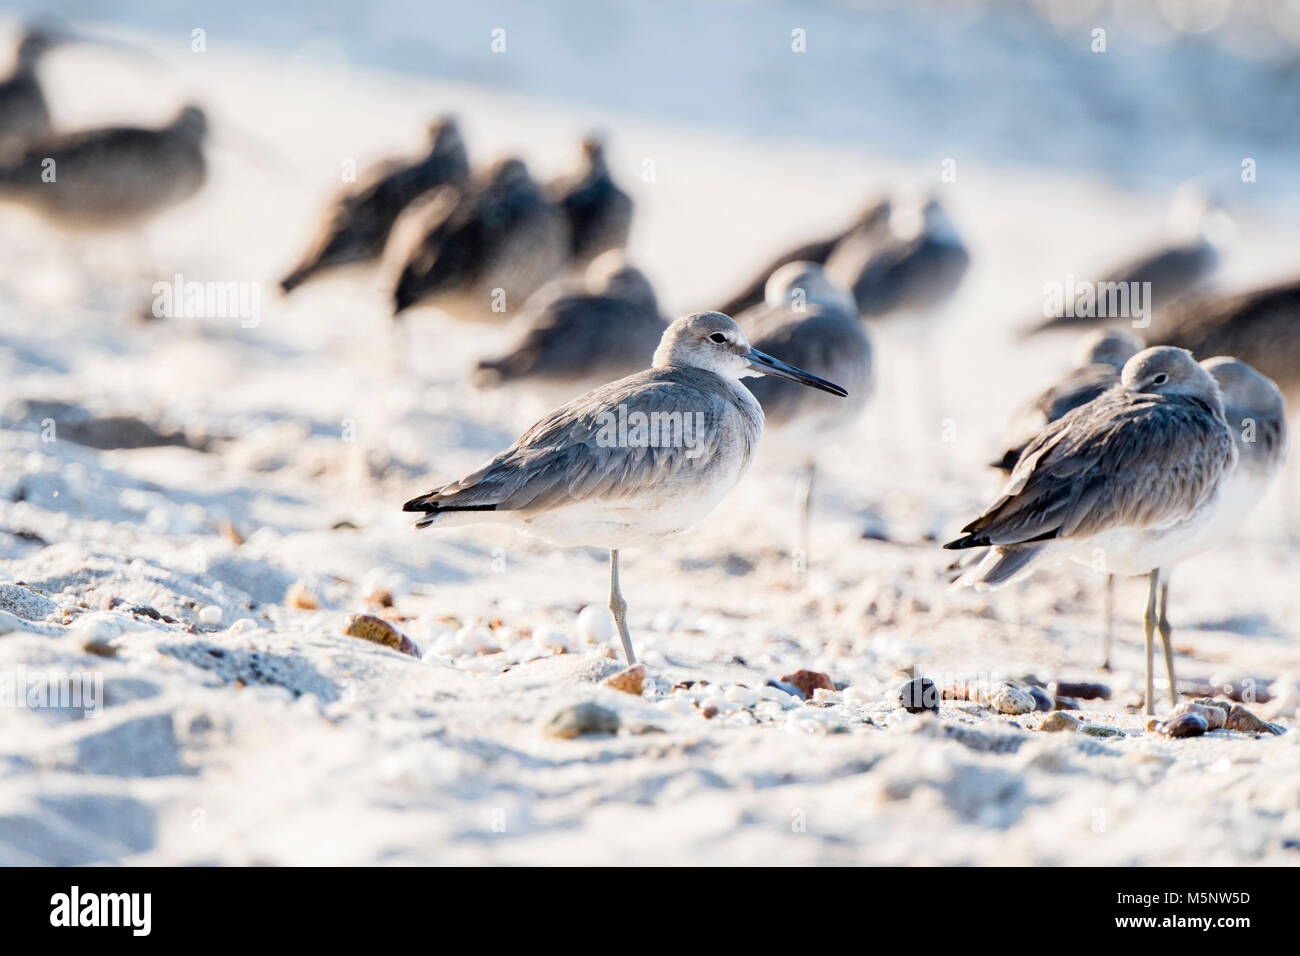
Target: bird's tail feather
999 566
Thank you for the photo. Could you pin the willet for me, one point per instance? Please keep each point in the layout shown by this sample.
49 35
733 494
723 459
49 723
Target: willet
600 214
113 178
358 222
1198 229
873 217
633 462
577 340
1256 414
812 323
1260 327
480 253
913 267
1132 478
1101 357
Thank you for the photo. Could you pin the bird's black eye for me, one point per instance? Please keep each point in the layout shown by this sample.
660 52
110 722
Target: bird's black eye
718 337
1160 379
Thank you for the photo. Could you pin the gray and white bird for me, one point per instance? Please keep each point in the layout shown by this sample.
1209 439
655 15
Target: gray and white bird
1198 227
873 218
111 178
24 112
1100 360
359 220
576 340
913 267
1135 476
480 252
810 322
599 212
634 461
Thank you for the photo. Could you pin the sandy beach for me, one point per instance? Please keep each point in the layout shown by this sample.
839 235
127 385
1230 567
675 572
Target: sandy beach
200 586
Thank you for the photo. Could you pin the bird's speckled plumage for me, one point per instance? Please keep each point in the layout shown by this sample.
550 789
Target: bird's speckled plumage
111 178
1135 472
359 220
500 233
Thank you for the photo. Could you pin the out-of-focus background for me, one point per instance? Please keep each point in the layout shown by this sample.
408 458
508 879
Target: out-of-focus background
219 492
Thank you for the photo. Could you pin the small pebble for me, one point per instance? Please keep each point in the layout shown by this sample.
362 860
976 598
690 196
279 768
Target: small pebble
1042 700
1059 720
1080 690
808 681
742 696
918 695
709 711
1100 730
1009 699
595 626
630 680
577 720
301 598
99 648
1214 717
1065 703
367 627
1239 718
1183 725
210 615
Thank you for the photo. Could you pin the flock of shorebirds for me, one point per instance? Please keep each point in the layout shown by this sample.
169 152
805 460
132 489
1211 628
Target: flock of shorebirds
1152 450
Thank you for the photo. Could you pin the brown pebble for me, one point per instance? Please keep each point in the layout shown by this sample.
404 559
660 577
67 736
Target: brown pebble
367 627
1183 725
630 680
232 533
809 681
99 648
381 596
301 598
1059 720
1241 719
710 711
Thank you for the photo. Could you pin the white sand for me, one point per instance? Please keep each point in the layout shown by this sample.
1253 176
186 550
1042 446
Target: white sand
277 739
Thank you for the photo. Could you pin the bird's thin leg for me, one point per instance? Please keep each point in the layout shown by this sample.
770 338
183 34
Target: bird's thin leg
618 607
1167 638
1108 611
805 520
1148 631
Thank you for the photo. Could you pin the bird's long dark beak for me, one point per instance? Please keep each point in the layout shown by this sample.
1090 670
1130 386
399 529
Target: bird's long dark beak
766 365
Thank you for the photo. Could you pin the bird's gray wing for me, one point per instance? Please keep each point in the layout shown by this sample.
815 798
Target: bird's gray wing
1122 461
574 454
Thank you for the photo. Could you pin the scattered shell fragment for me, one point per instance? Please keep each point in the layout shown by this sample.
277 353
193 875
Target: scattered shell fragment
630 680
918 695
578 720
790 690
1183 725
1239 718
378 631
1059 720
301 598
808 681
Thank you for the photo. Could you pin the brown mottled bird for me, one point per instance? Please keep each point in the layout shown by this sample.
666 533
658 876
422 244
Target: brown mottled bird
110 178
873 217
359 220
480 253
600 214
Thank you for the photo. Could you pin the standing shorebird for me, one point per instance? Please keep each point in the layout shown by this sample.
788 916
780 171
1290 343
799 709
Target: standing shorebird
599 213
1101 359
113 178
1134 478
808 321
578 340
481 253
24 114
1198 229
873 217
633 462
356 227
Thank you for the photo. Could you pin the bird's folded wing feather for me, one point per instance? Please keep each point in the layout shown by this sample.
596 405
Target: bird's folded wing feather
1122 461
